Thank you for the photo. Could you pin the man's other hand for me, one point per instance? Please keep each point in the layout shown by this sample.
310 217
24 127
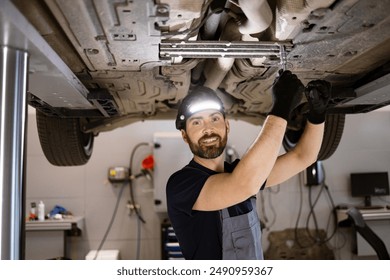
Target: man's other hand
318 95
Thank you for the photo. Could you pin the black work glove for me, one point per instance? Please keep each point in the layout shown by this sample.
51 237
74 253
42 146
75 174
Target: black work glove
318 95
287 92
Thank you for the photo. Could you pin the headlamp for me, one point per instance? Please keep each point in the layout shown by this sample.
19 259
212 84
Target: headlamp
199 99
204 105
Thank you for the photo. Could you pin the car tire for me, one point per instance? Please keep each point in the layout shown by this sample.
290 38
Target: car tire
334 127
62 140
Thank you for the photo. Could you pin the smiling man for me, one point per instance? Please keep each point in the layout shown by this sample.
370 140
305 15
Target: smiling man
211 203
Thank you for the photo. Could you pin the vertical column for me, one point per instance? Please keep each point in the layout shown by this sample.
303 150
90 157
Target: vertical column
13 106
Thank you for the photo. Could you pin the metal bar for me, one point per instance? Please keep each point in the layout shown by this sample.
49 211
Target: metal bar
215 49
283 57
13 107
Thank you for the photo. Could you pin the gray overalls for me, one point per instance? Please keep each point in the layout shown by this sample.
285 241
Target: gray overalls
241 235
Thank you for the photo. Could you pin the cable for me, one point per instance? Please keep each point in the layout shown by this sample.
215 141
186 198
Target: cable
133 153
299 214
138 252
334 216
132 199
316 238
333 207
140 219
111 222
272 206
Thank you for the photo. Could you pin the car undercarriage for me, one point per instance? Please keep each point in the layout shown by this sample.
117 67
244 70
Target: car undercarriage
133 60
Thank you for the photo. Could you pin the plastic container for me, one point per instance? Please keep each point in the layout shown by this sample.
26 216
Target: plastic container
41 211
33 209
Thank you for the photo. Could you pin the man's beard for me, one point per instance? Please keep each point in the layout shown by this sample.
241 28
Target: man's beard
206 151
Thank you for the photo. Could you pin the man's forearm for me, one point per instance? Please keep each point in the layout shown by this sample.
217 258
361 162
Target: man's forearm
310 142
302 156
260 158
225 189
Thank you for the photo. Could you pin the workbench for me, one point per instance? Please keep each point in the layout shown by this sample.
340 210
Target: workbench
70 226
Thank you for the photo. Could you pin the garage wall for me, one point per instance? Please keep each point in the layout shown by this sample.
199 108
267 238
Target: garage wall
364 147
85 191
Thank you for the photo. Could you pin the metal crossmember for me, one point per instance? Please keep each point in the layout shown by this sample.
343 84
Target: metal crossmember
215 49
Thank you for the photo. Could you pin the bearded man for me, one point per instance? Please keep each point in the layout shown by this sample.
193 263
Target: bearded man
212 203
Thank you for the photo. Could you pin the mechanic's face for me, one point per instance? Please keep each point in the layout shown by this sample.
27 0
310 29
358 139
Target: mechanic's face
206 134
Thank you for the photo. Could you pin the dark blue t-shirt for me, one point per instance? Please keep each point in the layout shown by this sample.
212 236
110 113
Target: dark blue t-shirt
199 232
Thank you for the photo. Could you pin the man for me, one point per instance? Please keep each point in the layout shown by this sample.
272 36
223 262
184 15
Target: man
211 202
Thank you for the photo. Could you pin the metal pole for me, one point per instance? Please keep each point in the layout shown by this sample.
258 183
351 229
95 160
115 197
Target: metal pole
13 106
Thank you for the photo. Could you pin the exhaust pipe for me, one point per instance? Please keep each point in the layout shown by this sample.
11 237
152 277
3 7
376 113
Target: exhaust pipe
259 16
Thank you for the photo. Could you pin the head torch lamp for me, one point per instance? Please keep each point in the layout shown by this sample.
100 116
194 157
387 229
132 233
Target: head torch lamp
204 105
199 99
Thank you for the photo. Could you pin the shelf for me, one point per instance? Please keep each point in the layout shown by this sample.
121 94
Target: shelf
76 222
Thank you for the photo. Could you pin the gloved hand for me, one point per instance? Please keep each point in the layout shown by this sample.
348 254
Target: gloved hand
318 95
287 92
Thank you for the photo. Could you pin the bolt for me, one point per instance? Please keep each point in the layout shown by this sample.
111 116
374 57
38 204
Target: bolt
92 51
161 9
